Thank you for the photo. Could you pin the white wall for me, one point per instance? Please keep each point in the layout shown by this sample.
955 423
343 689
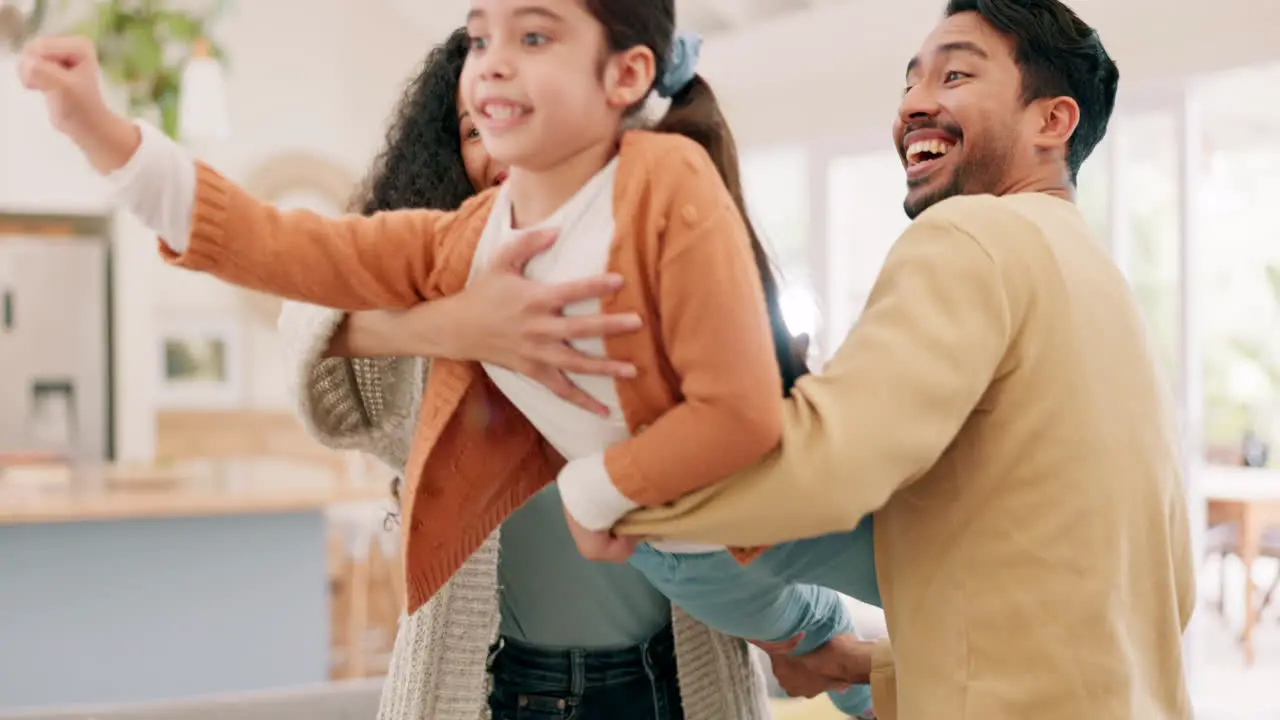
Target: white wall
314 76
304 75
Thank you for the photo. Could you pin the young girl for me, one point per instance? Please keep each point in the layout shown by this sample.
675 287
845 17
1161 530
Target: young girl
500 633
549 84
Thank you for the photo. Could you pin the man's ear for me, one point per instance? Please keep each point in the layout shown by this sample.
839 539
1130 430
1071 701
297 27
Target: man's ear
1058 118
628 76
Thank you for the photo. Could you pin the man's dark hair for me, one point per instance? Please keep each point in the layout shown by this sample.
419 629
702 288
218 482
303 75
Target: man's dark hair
1059 55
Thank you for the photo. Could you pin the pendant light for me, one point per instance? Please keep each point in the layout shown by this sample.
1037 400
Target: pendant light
202 106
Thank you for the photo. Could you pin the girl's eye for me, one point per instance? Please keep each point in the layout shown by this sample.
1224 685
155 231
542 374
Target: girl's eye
955 75
476 43
473 134
535 39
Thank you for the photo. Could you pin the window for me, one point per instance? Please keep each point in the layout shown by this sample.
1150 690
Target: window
865 218
1239 250
1147 246
776 185
1093 190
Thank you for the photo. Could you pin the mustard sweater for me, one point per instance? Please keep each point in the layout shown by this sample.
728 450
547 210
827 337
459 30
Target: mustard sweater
999 409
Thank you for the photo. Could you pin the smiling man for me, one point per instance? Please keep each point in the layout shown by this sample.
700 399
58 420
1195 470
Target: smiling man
997 408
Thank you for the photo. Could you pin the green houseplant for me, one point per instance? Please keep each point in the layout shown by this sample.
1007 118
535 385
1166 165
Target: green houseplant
143 46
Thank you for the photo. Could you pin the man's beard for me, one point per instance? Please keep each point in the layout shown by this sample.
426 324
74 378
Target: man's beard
973 177
913 205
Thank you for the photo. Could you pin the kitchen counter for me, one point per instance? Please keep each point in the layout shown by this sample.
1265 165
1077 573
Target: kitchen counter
56 493
137 584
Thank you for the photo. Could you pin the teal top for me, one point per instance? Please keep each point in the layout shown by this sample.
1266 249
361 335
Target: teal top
553 597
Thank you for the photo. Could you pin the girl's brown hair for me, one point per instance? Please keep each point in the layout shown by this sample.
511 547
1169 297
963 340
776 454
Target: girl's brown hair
695 113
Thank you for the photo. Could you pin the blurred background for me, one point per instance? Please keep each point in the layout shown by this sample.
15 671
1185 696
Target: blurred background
144 557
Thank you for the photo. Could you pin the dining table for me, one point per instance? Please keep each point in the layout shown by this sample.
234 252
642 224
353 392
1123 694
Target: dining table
1249 499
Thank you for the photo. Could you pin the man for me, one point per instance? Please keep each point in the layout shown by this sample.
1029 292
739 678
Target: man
997 408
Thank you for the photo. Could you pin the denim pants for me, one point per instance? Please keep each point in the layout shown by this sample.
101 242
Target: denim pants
775 597
635 683
844 562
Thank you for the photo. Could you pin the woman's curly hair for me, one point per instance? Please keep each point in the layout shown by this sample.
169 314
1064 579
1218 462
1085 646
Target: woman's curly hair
421 165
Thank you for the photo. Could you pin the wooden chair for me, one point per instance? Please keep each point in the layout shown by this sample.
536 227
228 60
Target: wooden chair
1221 542
369 594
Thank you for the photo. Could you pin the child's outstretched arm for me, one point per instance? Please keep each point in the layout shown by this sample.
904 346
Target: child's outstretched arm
211 225
716 334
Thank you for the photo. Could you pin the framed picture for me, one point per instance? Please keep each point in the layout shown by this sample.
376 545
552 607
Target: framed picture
202 357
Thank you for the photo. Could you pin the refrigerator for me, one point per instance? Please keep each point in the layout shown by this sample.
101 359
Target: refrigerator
55 320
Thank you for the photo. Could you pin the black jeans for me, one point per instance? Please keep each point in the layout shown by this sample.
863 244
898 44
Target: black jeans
635 683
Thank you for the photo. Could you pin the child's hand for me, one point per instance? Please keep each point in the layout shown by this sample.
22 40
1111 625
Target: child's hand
600 545
65 70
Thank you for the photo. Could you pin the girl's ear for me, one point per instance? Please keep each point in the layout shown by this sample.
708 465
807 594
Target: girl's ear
628 76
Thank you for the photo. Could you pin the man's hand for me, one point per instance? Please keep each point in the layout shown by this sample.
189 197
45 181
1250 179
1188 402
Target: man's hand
600 545
65 70
508 320
842 661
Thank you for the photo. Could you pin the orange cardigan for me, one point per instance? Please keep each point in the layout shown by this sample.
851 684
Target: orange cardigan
705 404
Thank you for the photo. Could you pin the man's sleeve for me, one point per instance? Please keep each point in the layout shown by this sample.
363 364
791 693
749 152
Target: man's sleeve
935 330
884 682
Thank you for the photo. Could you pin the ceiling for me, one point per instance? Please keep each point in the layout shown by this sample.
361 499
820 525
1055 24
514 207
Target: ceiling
707 17
712 17
787 70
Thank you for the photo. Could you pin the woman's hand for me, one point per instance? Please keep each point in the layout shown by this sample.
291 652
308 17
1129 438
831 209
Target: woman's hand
505 319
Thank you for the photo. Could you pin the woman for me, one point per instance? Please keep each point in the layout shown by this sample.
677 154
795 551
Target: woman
563 637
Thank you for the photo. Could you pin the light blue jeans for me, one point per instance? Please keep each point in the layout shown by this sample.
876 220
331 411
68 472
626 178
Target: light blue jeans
786 591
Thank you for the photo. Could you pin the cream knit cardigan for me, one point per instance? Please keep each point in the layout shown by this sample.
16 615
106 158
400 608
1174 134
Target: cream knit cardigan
438 667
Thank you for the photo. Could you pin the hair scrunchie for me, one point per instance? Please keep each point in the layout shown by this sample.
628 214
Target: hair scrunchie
682 64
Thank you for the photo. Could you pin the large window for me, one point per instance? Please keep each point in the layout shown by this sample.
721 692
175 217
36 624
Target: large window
1239 248
1147 234
776 185
1093 190
1130 191
865 218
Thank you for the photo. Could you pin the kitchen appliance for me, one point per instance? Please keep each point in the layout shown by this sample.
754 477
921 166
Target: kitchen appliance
54 346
